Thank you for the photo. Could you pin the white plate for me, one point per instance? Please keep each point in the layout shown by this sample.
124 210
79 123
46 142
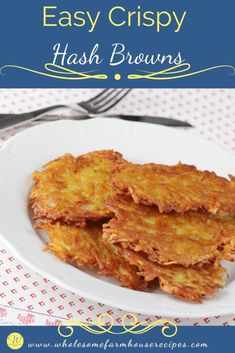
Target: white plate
30 150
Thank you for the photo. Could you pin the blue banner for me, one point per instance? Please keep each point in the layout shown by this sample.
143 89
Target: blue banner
73 339
124 43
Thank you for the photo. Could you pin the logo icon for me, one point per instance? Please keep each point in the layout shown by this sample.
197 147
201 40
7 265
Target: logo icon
15 340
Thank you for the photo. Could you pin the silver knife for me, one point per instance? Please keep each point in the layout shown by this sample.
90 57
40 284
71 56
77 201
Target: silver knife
10 120
152 120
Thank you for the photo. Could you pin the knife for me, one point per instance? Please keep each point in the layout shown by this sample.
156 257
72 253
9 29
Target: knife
10 120
152 120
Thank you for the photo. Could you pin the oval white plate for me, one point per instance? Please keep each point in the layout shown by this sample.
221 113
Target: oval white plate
30 150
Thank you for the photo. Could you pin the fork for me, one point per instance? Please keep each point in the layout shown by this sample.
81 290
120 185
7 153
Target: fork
101 103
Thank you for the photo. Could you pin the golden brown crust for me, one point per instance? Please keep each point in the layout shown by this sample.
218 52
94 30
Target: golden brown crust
71 189
190 284
228 223
178 228
180 187
85 247
192 238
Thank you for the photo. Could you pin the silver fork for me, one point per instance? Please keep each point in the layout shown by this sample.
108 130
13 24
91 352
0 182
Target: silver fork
101 103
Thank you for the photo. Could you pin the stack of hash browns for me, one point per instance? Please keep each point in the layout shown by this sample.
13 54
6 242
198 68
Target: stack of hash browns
145 225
